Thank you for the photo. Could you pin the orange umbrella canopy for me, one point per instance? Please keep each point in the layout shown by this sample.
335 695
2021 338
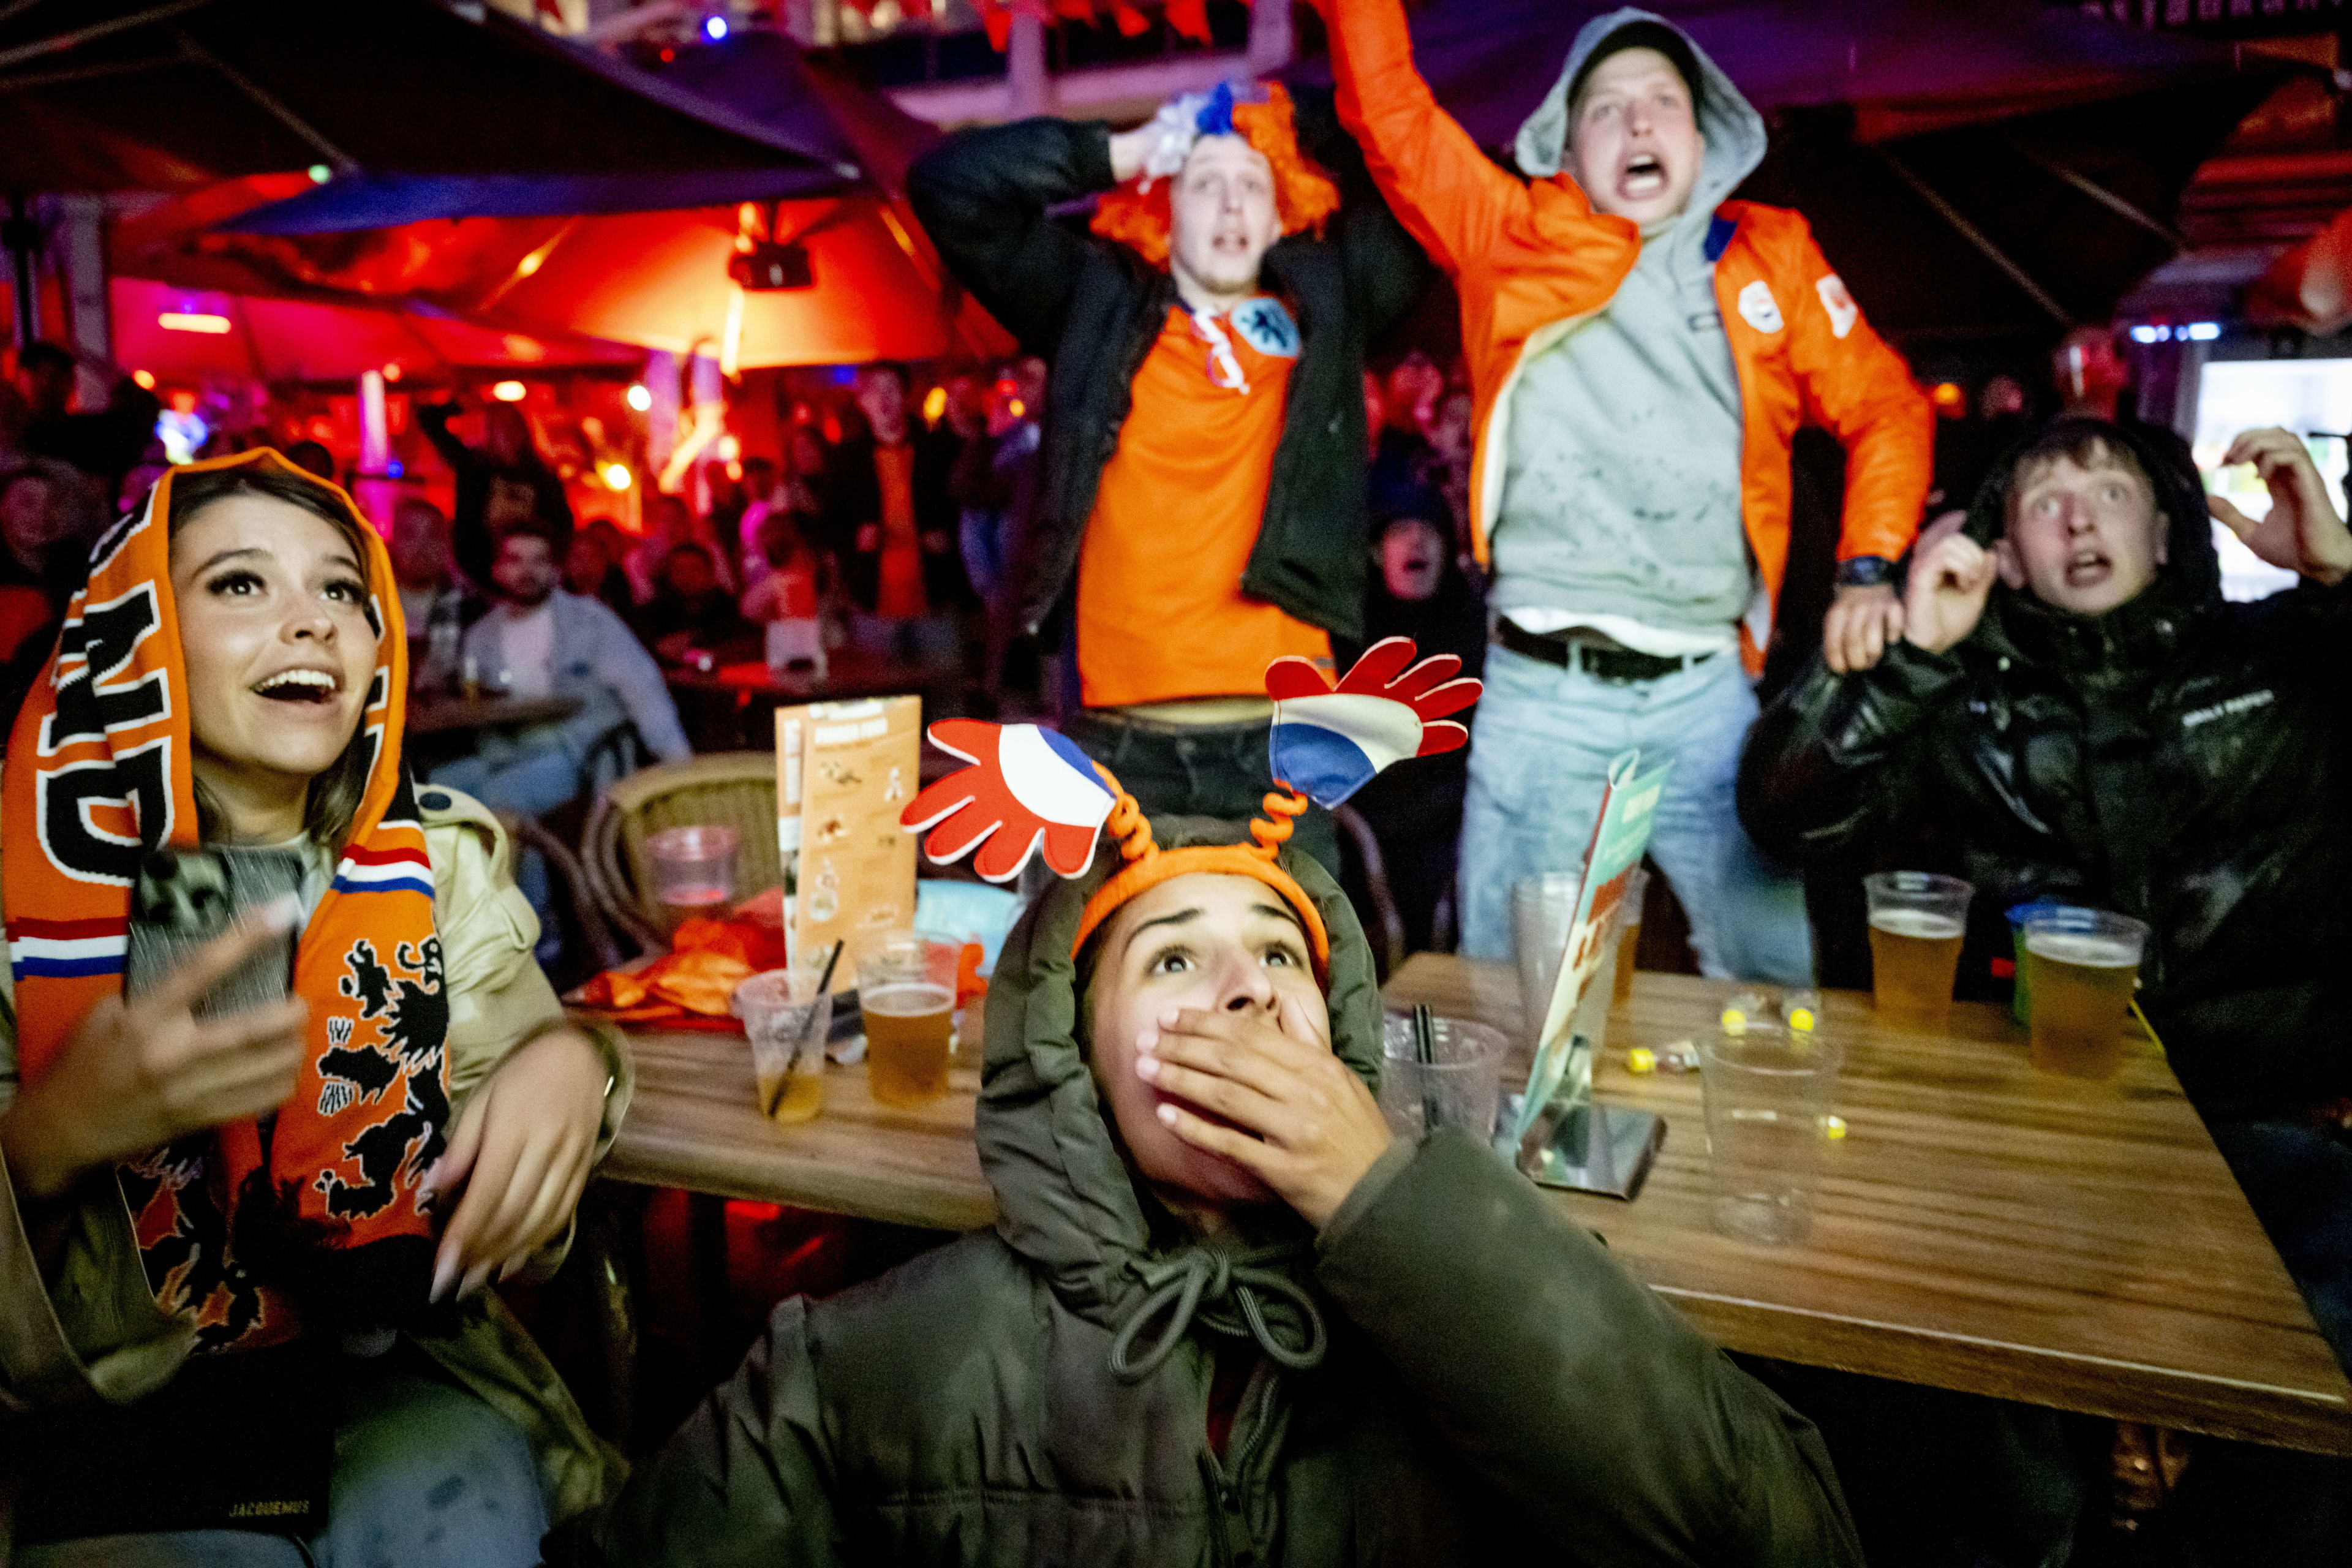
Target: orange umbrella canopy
184 335
656 281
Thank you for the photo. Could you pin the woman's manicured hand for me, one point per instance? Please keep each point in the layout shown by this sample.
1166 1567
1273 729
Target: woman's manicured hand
520 1156
1299 1118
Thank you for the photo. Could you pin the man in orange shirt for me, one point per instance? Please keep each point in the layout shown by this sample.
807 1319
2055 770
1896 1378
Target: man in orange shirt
1203 506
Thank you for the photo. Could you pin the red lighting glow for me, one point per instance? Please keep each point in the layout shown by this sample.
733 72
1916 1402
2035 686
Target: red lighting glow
509 391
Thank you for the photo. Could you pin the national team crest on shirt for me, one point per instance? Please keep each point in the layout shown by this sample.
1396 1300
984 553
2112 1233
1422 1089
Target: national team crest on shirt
1266 327
1759 309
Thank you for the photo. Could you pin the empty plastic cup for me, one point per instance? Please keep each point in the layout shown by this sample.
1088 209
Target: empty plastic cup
1461 1086
786 1018
694 870
1541 908
1917 922
1767 1092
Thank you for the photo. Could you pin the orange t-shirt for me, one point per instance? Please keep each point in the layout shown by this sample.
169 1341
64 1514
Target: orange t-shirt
1161 612
900 595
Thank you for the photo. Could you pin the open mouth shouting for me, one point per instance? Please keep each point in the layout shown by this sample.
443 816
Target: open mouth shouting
2088 567
302 687
1642 178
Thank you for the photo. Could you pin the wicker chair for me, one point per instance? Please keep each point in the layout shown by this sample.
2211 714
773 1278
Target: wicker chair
736 789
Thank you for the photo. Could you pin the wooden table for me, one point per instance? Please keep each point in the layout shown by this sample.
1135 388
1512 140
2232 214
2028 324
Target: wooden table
1981 1226
452 715
695 1124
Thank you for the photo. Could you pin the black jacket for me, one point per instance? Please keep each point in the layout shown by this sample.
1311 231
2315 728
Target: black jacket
2180 759
1092 308
853 499
470 543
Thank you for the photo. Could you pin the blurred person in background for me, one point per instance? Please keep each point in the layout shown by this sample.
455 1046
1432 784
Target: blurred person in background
104 443
436 604
890 521
763 491
691 618
539 640
1451 432
793 584
50 515
503 482
593 566
1642 350
312 457
1418 590
1191 527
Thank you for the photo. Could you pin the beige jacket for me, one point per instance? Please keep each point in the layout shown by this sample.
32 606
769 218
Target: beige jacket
95 1330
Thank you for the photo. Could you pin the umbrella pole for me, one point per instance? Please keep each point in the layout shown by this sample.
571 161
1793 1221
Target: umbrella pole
20 233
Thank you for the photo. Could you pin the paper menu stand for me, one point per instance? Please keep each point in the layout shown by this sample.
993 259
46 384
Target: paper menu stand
1583 1146
844 772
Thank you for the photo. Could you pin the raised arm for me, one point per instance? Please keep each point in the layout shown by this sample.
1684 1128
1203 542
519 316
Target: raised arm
1387 270
1614 1428
984 197
1444 190
1861 391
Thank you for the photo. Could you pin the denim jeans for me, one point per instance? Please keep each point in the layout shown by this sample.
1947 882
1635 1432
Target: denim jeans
427 1476
1538 758
1208 770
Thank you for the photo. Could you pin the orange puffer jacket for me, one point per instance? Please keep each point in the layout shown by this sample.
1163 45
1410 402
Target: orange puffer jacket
1532 259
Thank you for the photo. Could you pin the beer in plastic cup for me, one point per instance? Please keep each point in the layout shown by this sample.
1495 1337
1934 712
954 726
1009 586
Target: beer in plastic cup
906 991
2084 965
1766 1090
786 1018
1918 920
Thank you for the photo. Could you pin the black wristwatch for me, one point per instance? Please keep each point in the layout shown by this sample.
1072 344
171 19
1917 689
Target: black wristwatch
1866 572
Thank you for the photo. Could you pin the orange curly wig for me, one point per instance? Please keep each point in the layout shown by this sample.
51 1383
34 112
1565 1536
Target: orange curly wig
1304 196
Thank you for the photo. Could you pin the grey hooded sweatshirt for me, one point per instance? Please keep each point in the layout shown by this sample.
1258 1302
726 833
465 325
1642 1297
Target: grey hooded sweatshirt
1621 490
1450 1372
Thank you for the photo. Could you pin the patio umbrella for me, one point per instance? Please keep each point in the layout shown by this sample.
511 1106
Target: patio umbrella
173 94
1975 168
875 287
182 335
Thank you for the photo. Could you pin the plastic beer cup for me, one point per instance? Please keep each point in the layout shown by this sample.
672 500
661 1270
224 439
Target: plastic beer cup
905 993
785 1018
1766 1090
1918 920
2084 966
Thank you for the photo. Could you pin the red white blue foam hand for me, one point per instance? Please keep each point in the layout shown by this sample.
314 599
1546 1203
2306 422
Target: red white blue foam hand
1026 789
1330 741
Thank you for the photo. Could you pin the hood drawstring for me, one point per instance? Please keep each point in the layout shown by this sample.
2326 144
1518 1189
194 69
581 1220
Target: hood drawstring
1178 1288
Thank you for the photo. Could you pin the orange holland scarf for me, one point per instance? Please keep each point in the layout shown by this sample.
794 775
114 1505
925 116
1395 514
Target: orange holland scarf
97 773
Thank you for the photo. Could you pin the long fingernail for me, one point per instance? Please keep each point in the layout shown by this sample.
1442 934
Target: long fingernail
1148 1041
1168 1018
444 1268
474 1279
281 913
513 1266
1168 1114
431 1185
1147 1066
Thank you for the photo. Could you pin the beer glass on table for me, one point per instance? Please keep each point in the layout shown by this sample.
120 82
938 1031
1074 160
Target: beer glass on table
1918 920
2085 966
905 991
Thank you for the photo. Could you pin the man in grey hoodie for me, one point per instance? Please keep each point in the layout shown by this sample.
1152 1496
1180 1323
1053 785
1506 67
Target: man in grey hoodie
1641 352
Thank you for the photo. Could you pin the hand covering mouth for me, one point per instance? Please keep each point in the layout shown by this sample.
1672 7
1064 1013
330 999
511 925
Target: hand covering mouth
306 685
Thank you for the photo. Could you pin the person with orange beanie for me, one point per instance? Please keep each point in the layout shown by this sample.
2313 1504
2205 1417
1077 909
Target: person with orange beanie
1202 501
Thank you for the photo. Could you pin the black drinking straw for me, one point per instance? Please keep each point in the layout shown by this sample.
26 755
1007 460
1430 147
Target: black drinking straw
825 980
1425 1052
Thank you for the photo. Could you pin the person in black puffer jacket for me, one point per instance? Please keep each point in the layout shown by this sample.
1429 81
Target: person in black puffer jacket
2173 757
2075 713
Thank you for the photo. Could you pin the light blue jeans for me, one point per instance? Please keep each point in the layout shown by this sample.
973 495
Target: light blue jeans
1539 755
427 1476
